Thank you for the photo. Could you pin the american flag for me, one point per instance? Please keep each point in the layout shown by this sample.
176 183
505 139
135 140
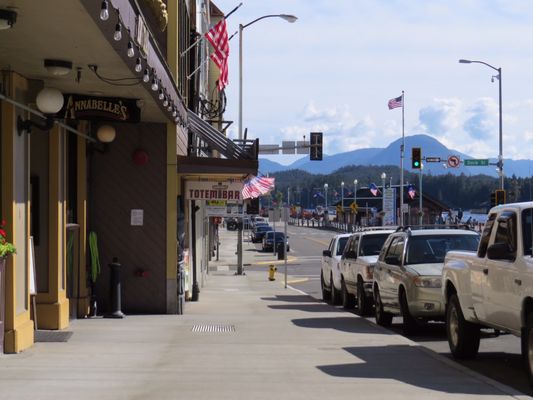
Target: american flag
374 189
218 37
411 191
396 102
257 186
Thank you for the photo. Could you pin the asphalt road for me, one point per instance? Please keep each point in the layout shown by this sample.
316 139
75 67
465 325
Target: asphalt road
499 357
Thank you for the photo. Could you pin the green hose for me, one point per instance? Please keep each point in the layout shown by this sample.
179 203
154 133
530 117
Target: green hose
95 258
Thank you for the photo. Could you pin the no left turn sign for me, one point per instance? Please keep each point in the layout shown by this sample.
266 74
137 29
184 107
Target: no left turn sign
453 161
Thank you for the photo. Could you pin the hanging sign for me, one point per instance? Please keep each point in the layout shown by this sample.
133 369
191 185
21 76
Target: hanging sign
209 190
79 106
453 161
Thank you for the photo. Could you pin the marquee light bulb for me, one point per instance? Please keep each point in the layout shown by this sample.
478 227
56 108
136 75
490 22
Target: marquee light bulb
138 65
146 76
118 32
104 12
131 52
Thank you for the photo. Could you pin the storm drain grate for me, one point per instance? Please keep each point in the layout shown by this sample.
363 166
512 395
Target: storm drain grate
213 328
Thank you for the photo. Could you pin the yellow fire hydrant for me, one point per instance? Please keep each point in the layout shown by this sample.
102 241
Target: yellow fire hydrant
272 273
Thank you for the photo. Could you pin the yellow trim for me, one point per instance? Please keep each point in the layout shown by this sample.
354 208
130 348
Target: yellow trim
83 295
18 328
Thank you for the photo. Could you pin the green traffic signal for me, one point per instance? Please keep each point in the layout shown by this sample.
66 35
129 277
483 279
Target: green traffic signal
416 157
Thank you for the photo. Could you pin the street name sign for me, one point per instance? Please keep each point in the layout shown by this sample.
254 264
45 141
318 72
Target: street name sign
433 159
476 162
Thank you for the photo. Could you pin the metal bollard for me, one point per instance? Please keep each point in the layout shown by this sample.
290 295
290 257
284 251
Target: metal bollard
114 290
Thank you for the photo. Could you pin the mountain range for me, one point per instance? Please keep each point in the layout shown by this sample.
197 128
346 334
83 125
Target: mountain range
390 155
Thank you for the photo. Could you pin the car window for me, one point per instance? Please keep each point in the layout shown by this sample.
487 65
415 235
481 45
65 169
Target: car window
527 229
371 244
341 243
395 249
506 231
331 244
485 236
354 244
433 248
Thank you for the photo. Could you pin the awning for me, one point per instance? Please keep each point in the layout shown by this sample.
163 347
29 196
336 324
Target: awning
216 166
219 142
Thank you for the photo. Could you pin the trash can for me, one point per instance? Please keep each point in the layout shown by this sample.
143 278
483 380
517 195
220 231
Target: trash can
281 251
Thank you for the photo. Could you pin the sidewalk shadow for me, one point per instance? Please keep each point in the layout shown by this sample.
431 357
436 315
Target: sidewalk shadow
343 324
410 365
314 307
299 298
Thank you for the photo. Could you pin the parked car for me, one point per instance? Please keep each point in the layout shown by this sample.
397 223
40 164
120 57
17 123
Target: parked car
330 277
357 267
407 276
272 238
259 232
493 287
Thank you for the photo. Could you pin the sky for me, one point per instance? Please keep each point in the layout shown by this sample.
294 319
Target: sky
336 67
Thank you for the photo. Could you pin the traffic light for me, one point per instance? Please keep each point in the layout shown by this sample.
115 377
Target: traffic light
497 197
416 157
500 197
316 146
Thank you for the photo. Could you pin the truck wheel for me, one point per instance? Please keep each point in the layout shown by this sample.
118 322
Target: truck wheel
348 299
363 303
410 325
463 336
335 294
527 349
382 318
325 293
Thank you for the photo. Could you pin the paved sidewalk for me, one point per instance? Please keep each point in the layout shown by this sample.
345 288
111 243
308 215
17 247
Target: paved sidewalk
247 338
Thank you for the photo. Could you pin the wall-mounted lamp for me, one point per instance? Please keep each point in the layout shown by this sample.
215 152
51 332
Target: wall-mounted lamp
7 19
105 135
57 67
49 102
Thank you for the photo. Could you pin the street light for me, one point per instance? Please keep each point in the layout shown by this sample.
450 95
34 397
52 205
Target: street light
420 212
383 177
286 17
326 194
355 182
342 200
499 77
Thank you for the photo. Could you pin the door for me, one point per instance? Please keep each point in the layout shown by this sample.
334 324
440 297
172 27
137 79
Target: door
503 292
391 271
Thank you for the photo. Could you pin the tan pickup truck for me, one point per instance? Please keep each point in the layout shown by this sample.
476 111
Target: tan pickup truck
493 287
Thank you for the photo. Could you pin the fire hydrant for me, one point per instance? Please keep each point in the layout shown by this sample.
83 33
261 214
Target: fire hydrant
272 273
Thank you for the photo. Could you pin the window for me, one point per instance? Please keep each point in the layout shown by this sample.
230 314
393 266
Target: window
395 250
506 232
341 243
433 248
485 236
527 229
371 244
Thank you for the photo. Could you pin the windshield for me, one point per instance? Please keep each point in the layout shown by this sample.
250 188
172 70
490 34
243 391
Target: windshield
433 248
264 228
341 244
279 235
371 244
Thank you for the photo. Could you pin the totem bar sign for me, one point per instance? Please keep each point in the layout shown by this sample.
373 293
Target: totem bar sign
117 109
209 190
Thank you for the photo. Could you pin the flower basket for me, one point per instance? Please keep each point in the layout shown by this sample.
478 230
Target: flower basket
6 248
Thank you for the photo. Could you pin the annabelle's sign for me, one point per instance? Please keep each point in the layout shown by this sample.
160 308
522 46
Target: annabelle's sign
202 190
102 108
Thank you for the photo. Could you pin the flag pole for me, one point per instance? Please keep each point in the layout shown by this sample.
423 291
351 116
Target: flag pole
402 148
203 36
205 61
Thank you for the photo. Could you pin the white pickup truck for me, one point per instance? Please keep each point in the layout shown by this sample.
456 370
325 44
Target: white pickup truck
493 287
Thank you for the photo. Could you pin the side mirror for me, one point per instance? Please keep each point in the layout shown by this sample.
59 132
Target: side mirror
392 260
326 253
351 254
499 251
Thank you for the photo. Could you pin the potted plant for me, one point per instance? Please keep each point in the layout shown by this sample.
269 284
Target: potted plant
6 248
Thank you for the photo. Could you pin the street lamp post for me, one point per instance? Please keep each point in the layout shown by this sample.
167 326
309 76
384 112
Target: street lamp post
499 77
326 195
355 182
383 177
342 201
420 212
286 17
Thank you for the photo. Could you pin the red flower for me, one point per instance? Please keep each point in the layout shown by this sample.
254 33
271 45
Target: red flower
3 233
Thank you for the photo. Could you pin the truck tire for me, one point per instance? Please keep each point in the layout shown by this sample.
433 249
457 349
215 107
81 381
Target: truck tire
348 299
325 293
527 348
335 294
364 304
383 318
463 336
410 325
